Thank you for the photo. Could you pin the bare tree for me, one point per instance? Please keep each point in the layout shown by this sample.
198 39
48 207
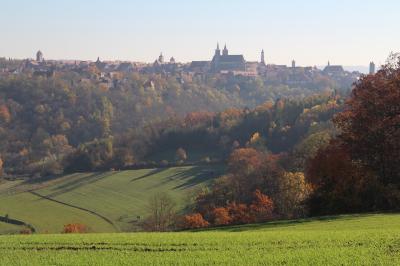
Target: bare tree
162 216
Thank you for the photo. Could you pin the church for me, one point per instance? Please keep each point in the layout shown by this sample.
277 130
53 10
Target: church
226 62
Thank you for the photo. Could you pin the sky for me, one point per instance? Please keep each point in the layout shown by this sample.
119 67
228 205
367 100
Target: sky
347 32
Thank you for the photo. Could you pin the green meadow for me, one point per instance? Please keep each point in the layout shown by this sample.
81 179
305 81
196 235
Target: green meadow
342 240
105 202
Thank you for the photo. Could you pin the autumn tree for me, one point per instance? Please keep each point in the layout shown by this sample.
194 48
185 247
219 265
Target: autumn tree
1 167
221 216
5 115
262 207
370 124
245 161
162 209
340 185
194 221
181 155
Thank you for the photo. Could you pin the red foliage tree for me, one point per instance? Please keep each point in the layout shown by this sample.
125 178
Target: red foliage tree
240 213
221 216
195 220
339 184
262 207
370 125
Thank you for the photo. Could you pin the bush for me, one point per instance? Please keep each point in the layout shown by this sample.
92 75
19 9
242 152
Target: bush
26 231
194 221
75 228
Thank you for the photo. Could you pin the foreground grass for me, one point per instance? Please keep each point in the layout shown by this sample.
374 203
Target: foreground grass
106 202
345 240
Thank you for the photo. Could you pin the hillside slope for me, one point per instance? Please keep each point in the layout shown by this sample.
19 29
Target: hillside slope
106 202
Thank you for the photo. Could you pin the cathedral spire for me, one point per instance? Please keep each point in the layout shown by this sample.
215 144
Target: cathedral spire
225 51
217 51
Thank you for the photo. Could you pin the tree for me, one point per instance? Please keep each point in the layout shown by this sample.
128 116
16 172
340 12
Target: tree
291 194
1 167
239 213
262 207
5 115
245 161
340 185
181 154
221 216
194 221
370 124
162 211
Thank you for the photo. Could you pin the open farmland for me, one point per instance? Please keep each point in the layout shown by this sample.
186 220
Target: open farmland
344 240
105 202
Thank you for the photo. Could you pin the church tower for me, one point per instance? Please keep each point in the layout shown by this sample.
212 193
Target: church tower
225 51
371 68
262 57
39 56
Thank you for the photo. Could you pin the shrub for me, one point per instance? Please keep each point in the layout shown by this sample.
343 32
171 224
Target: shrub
75 228
26 231
193 221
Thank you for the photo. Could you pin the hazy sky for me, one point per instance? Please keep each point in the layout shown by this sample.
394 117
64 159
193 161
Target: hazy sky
348 32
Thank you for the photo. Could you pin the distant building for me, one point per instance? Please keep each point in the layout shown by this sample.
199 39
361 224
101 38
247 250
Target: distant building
227 62
161 58
200 66
39 56
333 70
293 64
372 68
262 57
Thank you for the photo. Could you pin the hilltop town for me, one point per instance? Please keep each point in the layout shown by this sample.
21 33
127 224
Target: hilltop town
222 63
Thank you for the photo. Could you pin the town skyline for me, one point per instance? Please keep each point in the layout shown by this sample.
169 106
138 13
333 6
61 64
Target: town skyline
364 68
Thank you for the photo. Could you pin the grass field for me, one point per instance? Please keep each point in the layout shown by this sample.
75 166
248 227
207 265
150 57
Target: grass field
106 202
344 240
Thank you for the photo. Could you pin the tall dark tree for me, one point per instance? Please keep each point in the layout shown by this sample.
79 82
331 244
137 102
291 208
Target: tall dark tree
370 125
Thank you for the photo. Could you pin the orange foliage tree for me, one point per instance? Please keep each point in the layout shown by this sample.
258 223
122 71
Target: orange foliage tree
262 207
195 220
221 216
5 115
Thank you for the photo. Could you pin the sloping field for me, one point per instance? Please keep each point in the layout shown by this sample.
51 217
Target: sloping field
106 202
343 240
